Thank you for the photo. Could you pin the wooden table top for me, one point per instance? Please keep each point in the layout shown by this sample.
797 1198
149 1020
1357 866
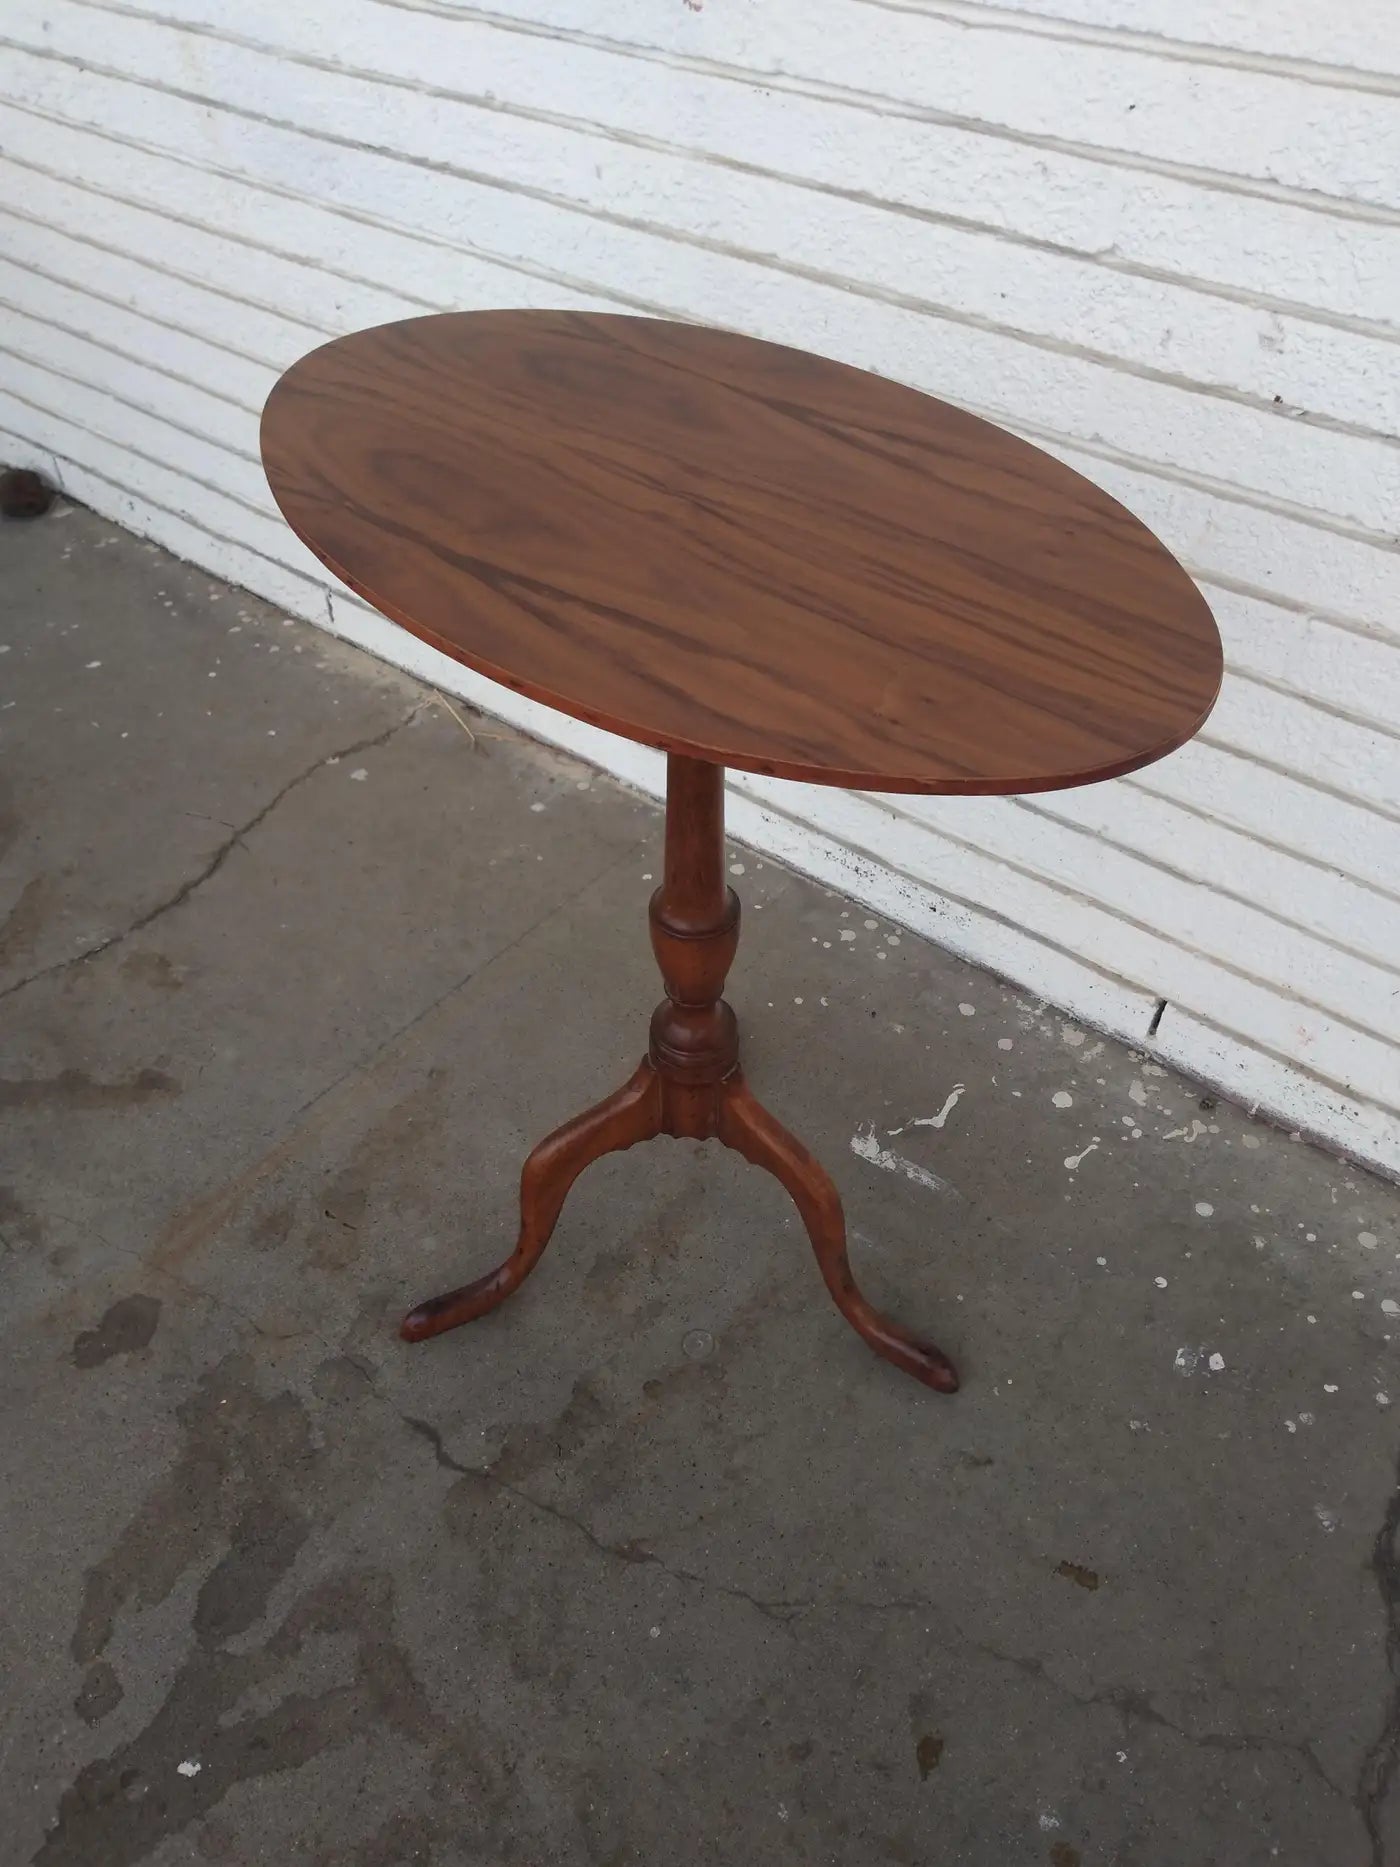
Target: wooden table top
739 552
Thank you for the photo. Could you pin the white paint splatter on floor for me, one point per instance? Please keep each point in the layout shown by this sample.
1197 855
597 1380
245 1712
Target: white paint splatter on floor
1188 1135
1072 1160
865 1144
1062 1099
937 1121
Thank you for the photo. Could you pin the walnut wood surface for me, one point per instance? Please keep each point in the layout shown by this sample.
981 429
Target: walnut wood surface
742 553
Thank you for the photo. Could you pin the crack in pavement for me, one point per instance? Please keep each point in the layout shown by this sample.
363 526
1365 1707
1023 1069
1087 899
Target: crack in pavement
219 857
632 1553
1378 1766
213 1210
1129 1704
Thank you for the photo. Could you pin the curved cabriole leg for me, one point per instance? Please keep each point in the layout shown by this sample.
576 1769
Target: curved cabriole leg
631 1114
747 1127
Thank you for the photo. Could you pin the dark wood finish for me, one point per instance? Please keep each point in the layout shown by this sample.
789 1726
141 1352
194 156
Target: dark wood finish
689 1084
745 556
741 553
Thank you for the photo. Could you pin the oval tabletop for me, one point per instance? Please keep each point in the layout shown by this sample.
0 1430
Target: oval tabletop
740 552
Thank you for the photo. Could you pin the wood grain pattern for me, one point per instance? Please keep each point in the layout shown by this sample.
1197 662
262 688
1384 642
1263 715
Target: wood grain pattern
741 553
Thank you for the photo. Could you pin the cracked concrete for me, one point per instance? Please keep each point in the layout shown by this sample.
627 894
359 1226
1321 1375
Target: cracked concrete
657 1563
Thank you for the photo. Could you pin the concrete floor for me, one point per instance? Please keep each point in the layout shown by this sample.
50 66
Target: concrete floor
658 1564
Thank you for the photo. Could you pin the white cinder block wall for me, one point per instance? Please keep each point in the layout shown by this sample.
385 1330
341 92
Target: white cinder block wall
1161 238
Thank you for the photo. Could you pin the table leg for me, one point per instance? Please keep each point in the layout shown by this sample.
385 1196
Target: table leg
629 1115
747 1127
689 1084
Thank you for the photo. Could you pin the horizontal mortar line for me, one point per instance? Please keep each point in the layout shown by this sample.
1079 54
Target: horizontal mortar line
1366 722
1294 605
359 216
1251 300
46 367
34 447
863 859
1136 782
183 473
1387 729
980 17
122 304
1337 206
171 272
856 288
892 807
1320 785
184 330
1358 1098
269 512
1032 807
200 226
128 356
727 249
1226 490
156 505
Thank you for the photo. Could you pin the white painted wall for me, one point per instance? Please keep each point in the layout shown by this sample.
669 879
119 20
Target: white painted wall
1159 237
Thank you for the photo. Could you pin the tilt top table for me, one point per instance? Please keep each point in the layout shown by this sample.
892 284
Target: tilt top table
745 556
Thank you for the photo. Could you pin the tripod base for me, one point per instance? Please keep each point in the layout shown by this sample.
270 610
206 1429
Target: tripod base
690 1085
642 1109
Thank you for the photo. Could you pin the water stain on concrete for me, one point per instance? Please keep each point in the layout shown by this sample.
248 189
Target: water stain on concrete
25 922
101 1693
928 1753
236 1495
526 1448
272 1229
381 1156
75 1089
126 1327
18 1225
1077 1573
153 969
